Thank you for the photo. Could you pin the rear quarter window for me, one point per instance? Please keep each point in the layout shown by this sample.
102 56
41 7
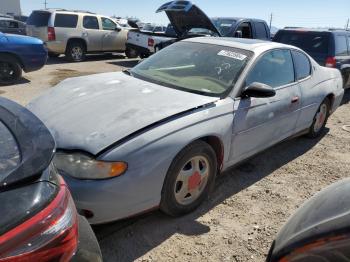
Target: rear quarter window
302 65
341 46
66 21
9 153
39 19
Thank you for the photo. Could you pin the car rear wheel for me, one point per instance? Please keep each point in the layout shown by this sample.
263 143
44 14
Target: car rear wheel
131 53
320 119
189 179
76 52
10 70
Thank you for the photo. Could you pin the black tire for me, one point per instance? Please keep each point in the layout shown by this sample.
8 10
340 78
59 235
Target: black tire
346 77
169 204
10 70
53 55
76 51
131 53
317 128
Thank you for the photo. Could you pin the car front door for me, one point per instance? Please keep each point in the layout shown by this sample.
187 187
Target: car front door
114 37
92 33
262 122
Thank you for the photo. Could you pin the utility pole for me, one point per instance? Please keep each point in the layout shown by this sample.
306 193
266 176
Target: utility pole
347 24
271 17
45 3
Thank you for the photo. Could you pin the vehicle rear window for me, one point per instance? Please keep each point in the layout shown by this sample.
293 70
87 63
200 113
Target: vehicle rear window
39 19
223 25
341 46
311 42
9 153
261 30
67 21
90 22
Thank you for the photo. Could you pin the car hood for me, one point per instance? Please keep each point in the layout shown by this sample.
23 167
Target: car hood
184 16
22 39
93 112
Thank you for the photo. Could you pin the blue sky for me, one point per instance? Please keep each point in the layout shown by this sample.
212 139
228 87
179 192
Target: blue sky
309 13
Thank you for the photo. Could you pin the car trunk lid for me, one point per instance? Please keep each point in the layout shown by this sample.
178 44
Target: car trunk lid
28 144
184 16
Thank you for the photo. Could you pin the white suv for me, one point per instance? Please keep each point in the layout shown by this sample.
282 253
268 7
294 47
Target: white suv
76 33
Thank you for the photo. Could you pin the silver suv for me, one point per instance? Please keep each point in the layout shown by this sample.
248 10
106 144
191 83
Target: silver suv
76 33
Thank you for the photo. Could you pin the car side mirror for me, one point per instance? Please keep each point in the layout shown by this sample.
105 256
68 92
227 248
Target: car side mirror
238 34
117 29
259 90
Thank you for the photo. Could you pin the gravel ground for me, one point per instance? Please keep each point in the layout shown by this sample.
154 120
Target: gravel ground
250 202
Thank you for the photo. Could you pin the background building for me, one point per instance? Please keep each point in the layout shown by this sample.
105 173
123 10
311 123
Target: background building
10 7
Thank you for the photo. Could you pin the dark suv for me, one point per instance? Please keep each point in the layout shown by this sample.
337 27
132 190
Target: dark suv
330 48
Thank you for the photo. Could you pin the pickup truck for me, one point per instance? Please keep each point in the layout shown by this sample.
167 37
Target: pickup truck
186 21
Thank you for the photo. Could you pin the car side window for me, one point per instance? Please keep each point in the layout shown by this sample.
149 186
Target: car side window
275 68
66 21
341 46
246 30
9 153
108 24
3 24
12 24
349 44
260 30
90 22
302 65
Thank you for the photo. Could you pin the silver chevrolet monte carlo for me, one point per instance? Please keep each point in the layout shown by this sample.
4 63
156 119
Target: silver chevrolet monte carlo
158 134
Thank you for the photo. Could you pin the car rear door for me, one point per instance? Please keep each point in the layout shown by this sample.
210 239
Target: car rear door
261 122
114 38
93 33
342 53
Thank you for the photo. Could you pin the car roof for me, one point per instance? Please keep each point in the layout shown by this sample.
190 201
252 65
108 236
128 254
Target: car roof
323 30
65 11
242 43
240 19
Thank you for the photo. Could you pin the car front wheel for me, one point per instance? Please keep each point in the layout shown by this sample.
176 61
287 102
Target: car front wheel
189 179
10 70
320 119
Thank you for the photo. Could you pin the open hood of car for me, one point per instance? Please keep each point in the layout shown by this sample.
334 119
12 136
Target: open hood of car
32 141
184 16
91 113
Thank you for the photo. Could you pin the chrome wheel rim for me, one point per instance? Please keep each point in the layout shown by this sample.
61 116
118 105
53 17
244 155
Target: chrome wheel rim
320 118
192 180
77 53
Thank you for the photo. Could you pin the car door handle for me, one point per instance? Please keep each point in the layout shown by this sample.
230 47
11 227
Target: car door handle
295 99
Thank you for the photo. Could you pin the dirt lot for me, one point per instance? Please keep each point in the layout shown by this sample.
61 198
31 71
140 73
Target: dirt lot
250 202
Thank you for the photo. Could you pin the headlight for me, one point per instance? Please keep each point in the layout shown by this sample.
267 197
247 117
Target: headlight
84 167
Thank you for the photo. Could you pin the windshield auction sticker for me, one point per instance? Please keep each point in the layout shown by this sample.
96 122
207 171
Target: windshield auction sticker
231 54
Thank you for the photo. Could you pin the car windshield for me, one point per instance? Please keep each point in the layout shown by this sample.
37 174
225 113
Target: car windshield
9 153
194 67
148 27
223 25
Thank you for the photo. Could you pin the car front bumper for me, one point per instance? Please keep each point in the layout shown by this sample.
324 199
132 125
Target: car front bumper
116 198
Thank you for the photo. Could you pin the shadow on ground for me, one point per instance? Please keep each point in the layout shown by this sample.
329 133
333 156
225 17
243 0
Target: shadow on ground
89 58
346 98
131 239
125 63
